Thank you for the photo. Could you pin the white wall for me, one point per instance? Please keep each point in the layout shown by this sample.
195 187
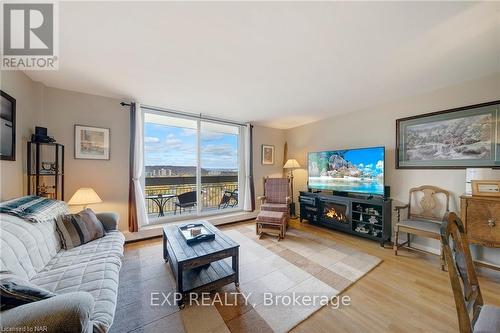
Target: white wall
62 109
28 95
376 126
59 110
267 136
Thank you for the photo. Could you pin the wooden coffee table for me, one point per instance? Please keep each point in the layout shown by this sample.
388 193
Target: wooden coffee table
200 267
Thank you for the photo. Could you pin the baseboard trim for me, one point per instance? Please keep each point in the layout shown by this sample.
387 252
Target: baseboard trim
156 230
141 239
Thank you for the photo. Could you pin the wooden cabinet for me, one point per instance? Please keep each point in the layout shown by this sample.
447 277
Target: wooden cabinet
481 217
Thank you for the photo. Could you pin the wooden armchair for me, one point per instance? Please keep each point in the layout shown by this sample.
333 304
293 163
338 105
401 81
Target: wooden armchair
424 216
473 316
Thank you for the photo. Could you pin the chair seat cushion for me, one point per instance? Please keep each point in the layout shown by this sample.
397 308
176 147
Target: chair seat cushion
271 217
423 225
275 207
488 320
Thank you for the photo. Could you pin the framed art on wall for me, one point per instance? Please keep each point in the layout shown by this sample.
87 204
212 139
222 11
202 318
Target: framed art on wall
8 127
486 188
91 142
450 139
267 154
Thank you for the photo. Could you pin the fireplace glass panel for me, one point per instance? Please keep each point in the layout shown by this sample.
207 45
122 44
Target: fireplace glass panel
335 212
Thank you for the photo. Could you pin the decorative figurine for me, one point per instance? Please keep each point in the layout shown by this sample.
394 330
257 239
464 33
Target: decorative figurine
362 229
195 231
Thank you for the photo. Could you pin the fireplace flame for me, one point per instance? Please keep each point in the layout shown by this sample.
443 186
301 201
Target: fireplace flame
332 213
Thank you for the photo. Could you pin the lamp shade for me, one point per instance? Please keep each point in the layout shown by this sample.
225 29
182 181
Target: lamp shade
84 196
291 164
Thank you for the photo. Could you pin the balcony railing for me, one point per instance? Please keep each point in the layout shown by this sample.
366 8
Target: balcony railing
213 189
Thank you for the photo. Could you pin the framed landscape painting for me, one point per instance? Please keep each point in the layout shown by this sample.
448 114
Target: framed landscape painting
457 138
91 142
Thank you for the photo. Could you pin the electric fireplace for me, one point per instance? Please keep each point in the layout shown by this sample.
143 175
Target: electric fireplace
364 217
335 212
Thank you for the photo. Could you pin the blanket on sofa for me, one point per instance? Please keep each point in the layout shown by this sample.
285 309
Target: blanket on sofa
34 209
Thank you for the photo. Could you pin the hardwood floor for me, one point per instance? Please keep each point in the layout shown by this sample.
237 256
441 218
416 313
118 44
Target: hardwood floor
405 293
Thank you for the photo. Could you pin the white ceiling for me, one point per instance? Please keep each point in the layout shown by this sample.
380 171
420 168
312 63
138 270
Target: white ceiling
279 64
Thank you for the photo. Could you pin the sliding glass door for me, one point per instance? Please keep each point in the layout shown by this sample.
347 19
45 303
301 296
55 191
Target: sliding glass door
192 167
219 163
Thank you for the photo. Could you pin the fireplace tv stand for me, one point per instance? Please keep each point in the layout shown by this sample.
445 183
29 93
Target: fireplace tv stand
368 218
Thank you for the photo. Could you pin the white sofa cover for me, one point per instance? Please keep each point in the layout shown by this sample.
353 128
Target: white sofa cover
32 251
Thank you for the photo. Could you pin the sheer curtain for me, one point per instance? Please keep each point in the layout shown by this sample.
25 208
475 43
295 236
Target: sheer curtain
249 197
137 205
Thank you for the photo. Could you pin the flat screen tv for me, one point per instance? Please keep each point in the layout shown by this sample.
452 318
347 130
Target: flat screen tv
351 170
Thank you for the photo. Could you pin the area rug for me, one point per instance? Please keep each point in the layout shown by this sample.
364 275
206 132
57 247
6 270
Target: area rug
301 267
302 264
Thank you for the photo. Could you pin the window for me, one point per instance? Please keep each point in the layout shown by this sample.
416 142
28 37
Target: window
192 166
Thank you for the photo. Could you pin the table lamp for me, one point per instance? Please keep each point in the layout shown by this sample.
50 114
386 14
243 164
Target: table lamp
292 164
84 196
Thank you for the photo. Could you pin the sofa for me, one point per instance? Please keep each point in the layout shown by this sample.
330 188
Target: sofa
84 278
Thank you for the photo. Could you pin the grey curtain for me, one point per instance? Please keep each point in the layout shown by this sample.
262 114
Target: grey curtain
133 226
252 185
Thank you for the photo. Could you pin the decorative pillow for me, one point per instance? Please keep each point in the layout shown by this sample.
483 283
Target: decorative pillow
15 291
78 229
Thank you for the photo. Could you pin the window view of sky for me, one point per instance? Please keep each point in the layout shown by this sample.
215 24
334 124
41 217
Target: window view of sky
176 146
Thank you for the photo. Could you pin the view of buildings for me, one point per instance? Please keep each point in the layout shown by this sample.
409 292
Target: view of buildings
185 171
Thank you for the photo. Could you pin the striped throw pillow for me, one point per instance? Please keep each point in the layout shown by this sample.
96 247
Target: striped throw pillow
78 229
15 292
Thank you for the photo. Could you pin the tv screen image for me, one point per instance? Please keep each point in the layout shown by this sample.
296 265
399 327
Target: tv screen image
351 170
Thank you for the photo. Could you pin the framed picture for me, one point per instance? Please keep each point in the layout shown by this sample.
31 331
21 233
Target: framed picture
486 188
451 139
8 127
91 142
267 154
